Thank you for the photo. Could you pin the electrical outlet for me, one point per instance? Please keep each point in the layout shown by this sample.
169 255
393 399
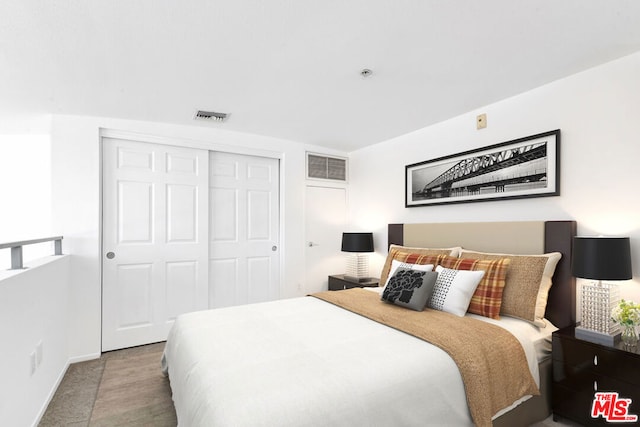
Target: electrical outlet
481 121
33 362
39 354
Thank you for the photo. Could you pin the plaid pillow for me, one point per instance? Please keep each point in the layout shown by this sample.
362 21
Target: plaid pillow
410 256
487 298
528 283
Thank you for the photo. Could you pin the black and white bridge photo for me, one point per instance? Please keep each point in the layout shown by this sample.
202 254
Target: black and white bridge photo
527 167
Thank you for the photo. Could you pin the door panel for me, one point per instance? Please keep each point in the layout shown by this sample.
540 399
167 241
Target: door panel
182 287
257 269
244 229
135 212
224 273
135 291
131 158
258 211
224 227
155 223
182 164
182 213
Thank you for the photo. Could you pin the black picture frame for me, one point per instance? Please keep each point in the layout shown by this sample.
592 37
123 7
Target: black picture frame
521 168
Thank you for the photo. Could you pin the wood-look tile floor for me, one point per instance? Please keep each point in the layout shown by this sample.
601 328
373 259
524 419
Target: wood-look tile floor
121 388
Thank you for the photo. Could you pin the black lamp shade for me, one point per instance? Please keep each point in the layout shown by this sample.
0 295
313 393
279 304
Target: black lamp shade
357 242
601 258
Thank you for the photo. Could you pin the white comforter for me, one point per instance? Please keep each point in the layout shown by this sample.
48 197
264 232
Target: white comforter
305 362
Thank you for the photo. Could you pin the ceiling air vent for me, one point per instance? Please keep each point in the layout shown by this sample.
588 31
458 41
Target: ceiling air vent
325 167
210 116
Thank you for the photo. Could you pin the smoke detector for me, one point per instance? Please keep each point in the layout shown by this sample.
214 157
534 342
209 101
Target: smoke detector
210 116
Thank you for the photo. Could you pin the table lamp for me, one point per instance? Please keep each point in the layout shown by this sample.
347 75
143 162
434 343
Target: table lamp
598 259
357 245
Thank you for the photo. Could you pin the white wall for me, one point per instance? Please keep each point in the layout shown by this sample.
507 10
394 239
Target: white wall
33 310
25 182
597 112
76 205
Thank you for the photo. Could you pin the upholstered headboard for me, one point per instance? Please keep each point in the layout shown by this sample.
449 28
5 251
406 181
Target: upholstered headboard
520 237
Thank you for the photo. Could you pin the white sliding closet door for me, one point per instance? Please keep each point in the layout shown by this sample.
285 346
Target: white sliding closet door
244 264
155 238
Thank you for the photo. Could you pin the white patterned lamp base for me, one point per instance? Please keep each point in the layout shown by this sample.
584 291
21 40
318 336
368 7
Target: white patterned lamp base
357 267
598 299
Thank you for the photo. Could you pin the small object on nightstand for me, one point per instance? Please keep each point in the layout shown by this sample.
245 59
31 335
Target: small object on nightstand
627 315
338 282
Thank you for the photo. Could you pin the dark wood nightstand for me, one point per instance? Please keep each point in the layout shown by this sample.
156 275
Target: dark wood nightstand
338 282
582 368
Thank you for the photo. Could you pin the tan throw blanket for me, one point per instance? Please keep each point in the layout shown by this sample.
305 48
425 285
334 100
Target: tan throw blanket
491 360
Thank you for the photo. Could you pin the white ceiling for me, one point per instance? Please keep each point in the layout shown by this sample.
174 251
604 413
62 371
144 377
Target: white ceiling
291 69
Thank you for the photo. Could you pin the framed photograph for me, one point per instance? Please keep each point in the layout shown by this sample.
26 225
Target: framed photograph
525 167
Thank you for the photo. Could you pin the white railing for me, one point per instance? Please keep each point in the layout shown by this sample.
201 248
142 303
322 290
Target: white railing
16 249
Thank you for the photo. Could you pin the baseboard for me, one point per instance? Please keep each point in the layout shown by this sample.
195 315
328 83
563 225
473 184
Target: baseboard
52 393
53 390
84 358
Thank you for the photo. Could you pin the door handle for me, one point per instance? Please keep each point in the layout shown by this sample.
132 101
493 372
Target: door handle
111 255
311 244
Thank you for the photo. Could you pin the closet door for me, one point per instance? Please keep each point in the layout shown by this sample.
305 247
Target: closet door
244 252
155 238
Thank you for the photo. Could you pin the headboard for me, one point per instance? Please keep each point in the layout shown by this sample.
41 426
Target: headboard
520 237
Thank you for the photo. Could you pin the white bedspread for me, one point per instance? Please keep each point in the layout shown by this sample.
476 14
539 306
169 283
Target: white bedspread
305 362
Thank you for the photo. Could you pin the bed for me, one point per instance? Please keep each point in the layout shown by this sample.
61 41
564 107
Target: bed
322 360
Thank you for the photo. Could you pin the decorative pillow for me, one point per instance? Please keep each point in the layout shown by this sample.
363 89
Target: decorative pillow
453 290
487 298
410 288
395 264
413 256
528 283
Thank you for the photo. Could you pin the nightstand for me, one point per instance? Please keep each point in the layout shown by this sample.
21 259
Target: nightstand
582 368
338 282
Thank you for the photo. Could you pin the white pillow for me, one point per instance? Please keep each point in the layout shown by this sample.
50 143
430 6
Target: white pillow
453 290
395 264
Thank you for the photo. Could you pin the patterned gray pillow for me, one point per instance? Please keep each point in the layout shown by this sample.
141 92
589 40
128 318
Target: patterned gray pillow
410 288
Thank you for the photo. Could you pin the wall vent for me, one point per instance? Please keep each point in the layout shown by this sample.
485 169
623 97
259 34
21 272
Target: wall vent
211 116
331 168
